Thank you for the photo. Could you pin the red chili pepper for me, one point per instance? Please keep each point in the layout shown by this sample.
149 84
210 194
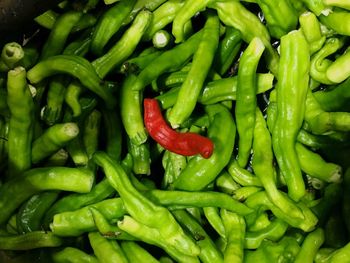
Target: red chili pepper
187 143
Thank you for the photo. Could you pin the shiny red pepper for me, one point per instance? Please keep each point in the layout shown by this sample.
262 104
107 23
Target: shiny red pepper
187 143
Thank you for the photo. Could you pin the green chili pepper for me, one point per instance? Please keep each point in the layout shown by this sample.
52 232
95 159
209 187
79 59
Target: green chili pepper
262 165
307 223
323 254
47 19
173 164
79 47
241 194
291 96
319 61
131 112
281 18
311 28
77 222
136 64
109 24
150 5
152 236
261 221
124 47
340 255
137 205
234 14
285 250
106 250
76 66
52 112
112 128
274 231
242 176
91 132
136 253
168 61
20 133
337 20
337 3
186 12
76 147
71 97
199 171
334 98
235 231
11 55
53 139
322 122
73 202
57 38
73 255
197 199
212 214
315 166
217 90
338 71
227 51
209 252
77 151
201 63
246 98
316 6
19 189
141 157
321 141
162 16
225 183
106 229
305 137
32 211
30 240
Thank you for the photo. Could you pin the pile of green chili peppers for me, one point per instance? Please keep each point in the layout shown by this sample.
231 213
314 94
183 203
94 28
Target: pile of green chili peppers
266 81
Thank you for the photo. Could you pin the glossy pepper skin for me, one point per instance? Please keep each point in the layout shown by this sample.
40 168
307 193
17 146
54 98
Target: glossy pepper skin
201 63
199 171
262 164
234 14
182 143
170 60
75 66
32 240
67 253
246 98
209 251
291 90
14 192
131 111
109 23
106 250
235 229
124 47
136 253
59 34
145 211
20 134
76 222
